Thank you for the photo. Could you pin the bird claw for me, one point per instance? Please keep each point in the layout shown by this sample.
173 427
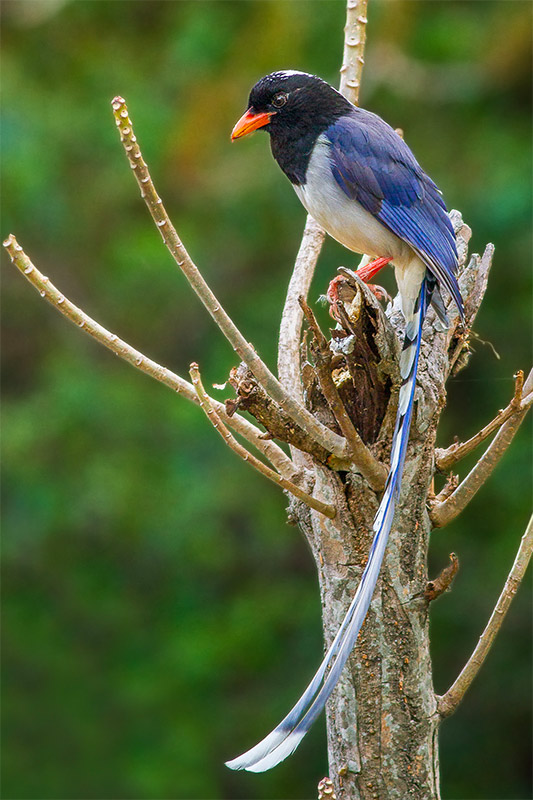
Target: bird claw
340 290
379 292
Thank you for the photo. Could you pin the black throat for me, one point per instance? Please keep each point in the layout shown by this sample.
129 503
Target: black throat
293 134
292 150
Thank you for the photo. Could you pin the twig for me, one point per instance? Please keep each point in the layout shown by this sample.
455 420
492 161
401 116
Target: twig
445 459
354 49
443 581
373 471
327 438
444 511
214 417
313 235
46 289
447 704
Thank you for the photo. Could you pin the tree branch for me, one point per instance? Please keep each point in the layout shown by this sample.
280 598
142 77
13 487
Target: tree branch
327 438
354 49
447 704
445 459
364 461
313 235
214 418
252 398
291 320
46 289
444 511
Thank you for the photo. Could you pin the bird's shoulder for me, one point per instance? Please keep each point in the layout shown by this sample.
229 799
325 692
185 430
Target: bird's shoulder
373 164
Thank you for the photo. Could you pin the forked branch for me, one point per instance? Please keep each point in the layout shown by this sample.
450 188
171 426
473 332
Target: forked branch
443 511
216 421
320 433
445 459
46 289
447 704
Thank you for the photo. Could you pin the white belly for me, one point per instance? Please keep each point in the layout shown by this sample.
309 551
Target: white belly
344 219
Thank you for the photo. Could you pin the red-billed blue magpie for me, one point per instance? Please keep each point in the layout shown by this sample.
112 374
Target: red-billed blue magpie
357 177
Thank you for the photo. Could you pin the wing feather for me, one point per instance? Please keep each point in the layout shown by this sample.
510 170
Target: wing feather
375 167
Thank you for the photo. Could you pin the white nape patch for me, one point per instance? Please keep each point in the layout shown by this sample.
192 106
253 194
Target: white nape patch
287 73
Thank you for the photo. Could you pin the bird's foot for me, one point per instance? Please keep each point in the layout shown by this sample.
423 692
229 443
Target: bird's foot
340 291
336 288
379 292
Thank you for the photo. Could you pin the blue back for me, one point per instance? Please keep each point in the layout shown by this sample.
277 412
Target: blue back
375 167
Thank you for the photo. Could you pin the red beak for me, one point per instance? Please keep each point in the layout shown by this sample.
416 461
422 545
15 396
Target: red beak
249 122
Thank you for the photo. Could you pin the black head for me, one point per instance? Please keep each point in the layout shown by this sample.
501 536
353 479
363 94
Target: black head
291 100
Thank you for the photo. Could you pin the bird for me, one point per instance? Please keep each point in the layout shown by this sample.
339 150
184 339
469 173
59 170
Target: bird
357 177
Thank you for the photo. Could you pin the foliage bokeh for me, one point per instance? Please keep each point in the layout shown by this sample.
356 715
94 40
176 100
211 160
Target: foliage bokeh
159 615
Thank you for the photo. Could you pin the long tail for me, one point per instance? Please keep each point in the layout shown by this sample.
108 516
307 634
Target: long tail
287 736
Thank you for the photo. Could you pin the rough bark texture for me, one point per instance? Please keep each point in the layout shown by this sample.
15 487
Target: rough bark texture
382 719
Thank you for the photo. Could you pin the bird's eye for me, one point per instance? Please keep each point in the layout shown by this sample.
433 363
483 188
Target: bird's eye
279 99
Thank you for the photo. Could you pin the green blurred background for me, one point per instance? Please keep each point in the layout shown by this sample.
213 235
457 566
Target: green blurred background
159 614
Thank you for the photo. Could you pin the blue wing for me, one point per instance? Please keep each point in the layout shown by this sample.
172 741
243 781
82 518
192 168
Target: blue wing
374 166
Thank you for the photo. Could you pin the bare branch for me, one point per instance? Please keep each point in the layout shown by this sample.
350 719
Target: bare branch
215 419
364 461
445 459
313 235
46 289
447 704
444 511
251 397
327 438
354 49
292 317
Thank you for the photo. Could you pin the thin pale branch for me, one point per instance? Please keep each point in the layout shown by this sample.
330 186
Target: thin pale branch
444 511
216 421
354 49
46 289
313 235
447 704
364 461
327 438
445 459
289 360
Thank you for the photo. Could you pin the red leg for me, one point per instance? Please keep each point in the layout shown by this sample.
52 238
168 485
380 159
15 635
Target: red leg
371 269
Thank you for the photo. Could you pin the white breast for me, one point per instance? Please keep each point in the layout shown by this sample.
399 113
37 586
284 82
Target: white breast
344 219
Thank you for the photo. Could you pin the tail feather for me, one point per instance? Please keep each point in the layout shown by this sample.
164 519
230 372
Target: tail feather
284 739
